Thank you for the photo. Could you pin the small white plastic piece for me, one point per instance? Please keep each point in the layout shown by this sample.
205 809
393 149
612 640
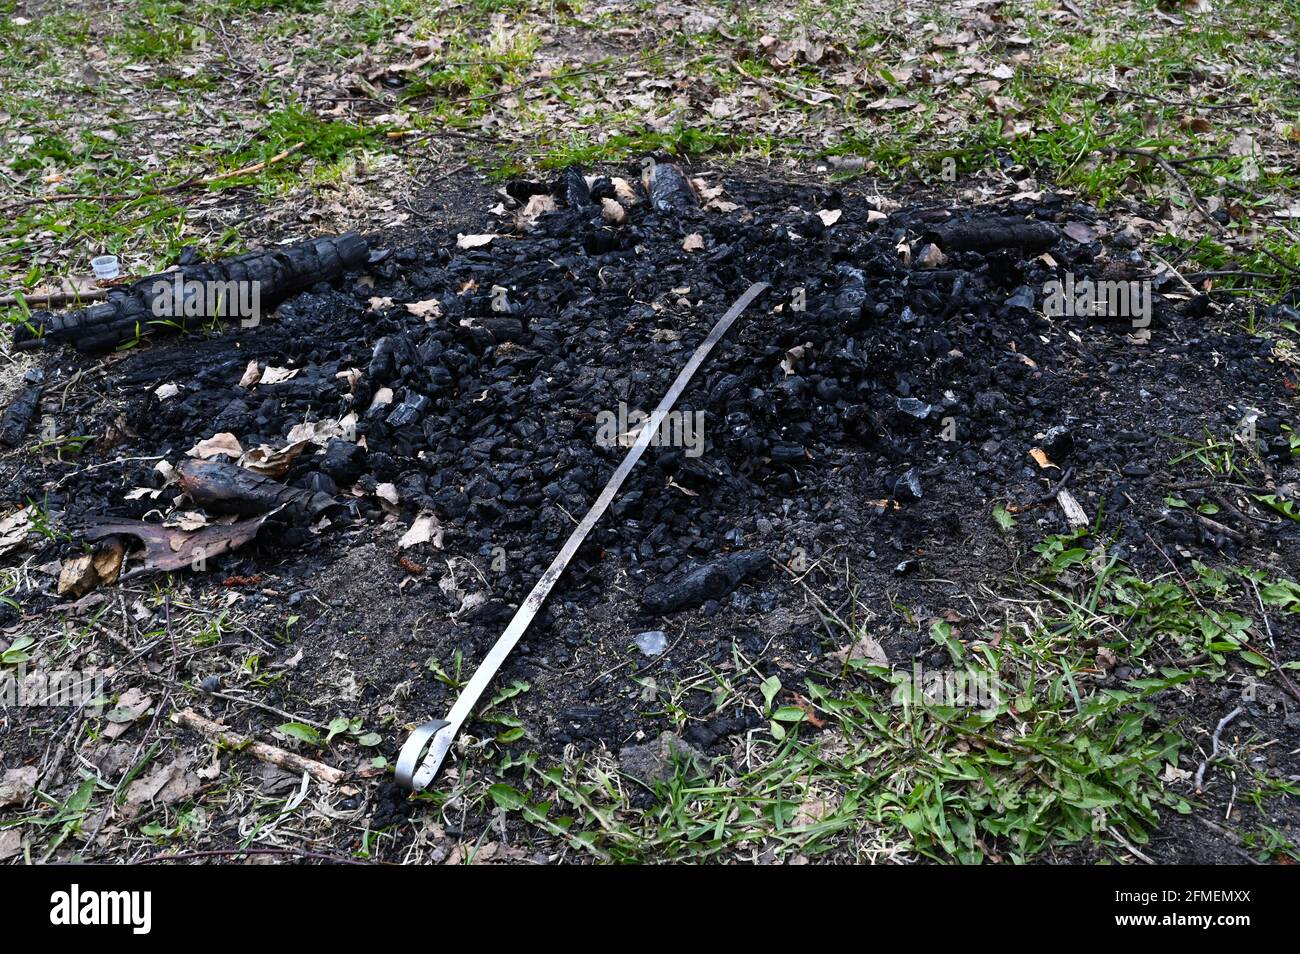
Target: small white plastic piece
106 267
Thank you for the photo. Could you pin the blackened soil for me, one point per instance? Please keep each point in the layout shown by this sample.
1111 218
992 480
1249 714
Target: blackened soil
855 383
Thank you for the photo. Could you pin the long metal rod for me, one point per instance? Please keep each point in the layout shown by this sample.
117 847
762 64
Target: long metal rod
425 748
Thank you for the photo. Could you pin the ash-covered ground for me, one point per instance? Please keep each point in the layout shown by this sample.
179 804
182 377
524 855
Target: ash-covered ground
849 442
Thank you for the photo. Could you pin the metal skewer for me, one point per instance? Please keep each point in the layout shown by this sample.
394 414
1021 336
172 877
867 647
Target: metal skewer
425 749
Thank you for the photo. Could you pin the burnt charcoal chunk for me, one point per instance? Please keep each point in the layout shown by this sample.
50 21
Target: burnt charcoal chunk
131 310
571 188
1058 442
787 453
504 329
697 583
344 462
906 487
408 412
521 190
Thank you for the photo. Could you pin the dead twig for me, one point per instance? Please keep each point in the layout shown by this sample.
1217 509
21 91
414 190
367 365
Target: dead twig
1214 745
290 761
1172 170
54 299
166 190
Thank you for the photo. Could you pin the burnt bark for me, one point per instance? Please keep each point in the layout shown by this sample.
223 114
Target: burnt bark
133 310
227 488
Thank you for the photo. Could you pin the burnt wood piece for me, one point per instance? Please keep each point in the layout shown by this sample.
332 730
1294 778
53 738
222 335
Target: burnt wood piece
571 188
670 190
985 234
18 418
130 310
227 488
697 583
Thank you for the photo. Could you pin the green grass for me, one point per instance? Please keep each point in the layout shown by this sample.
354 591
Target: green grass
1051 761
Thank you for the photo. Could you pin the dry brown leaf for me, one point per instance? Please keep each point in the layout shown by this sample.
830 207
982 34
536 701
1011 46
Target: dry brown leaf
167 785
864 647
1041 459
424 529
266 460
223 443
15 528
131 705
252 374
17 785
273 375
428 310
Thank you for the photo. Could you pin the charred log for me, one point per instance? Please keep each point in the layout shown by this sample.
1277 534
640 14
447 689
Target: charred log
985 234
171 299
670 190
228 488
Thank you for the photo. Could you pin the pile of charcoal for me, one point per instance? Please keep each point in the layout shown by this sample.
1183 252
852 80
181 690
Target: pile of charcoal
901 356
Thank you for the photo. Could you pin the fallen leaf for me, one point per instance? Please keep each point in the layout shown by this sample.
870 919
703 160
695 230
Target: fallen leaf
168 784
17 784
865 648
273 375
15 528
1080 232
131 705
223 443
270 462
322 432
1041 459
474 241
252 374
815 809
424 529
830 216
427 310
